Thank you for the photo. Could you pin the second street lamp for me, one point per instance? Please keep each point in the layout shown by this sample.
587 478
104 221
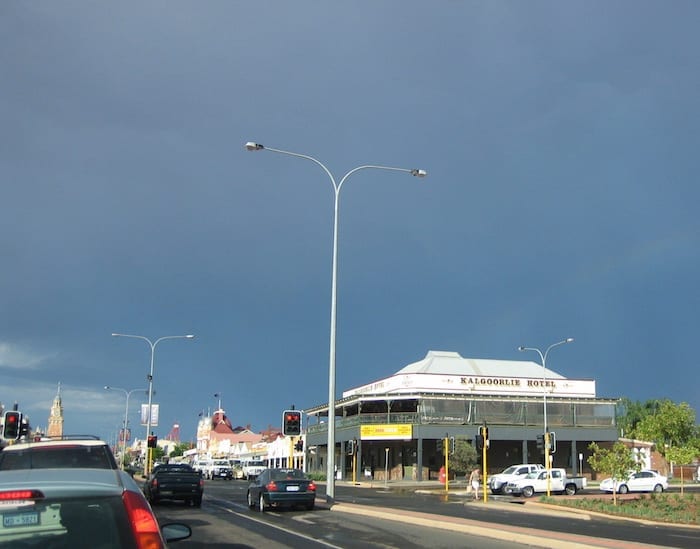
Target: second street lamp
126 418
252 146
543 357
150 380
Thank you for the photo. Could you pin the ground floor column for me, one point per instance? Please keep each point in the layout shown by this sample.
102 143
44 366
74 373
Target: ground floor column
419 459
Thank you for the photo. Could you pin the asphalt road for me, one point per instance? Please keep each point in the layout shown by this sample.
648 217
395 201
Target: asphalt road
359 522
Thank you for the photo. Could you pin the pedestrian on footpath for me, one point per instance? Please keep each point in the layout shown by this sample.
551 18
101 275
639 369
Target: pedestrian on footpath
474 479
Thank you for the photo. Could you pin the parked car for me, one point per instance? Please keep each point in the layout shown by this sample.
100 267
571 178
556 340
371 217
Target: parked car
219 468
281 488
237 467
252 468
69 451
79 508
202 465
532 483
177 481
499 481
641 481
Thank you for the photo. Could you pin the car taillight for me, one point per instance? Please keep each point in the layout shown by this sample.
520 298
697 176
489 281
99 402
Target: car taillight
154 483
201 483
311 487
20 495
271 486
143 522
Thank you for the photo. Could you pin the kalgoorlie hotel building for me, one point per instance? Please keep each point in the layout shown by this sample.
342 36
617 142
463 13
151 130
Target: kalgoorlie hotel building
398 420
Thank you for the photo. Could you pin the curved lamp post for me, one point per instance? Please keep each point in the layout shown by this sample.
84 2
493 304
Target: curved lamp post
150 379
543 357
251 146
126 417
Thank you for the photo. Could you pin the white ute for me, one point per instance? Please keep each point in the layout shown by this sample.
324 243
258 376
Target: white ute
537 482
498 482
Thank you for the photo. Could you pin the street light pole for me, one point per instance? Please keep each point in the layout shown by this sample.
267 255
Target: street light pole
543 357
152 344
251 146
126 417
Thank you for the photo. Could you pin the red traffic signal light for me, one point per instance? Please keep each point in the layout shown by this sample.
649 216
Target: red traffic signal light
152 441
291 423
12 425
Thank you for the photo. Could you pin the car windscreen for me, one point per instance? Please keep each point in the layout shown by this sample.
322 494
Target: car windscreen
95 522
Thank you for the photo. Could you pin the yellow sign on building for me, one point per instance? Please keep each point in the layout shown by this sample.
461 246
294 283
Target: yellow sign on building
386 432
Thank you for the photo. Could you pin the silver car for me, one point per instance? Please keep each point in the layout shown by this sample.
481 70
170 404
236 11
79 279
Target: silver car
78 508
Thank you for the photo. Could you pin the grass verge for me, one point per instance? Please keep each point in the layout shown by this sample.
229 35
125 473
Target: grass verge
670 508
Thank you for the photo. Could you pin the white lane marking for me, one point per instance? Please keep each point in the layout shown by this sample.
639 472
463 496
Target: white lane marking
264 523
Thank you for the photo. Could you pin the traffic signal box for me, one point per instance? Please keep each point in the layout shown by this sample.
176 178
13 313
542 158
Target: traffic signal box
152 441
12 428
291 423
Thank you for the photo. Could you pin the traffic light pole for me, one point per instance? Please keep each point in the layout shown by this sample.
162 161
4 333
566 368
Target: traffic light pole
446 450
547 463
484 454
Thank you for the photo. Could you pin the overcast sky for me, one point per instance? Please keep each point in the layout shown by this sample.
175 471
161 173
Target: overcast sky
561 143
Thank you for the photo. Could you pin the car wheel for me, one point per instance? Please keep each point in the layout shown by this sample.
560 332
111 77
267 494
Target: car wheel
310 506
622 489
198 502
570 489
528 491
658 488
261 503
495 491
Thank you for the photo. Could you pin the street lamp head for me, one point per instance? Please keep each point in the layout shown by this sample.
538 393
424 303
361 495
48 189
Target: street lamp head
251 146
107 387
189 336
522 348
569 339
418 173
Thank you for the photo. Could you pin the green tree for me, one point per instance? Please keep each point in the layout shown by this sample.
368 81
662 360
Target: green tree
180 448
671 425
158 453
618 461
681 455
464 458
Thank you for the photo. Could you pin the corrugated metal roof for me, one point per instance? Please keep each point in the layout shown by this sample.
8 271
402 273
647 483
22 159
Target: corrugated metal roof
451 363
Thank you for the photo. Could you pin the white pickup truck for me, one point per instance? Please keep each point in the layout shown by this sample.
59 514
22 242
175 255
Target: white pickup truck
498 482
537 482
252 468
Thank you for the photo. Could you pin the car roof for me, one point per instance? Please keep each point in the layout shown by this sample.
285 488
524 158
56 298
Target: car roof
68 482
77 440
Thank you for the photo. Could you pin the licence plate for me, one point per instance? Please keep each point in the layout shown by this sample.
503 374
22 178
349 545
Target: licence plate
20 519
293 488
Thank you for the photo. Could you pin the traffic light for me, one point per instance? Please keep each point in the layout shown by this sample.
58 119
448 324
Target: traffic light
540 443
479 440
352 447
299 446
12 425
452 445
438 445
291 423
152 441
552 443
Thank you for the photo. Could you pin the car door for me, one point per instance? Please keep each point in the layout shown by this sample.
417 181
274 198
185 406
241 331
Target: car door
641 481
557 483
256 486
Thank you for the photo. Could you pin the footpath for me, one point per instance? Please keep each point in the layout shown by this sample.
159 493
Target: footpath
513 534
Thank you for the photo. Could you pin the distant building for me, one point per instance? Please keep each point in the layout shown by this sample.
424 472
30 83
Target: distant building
216 437
55 428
